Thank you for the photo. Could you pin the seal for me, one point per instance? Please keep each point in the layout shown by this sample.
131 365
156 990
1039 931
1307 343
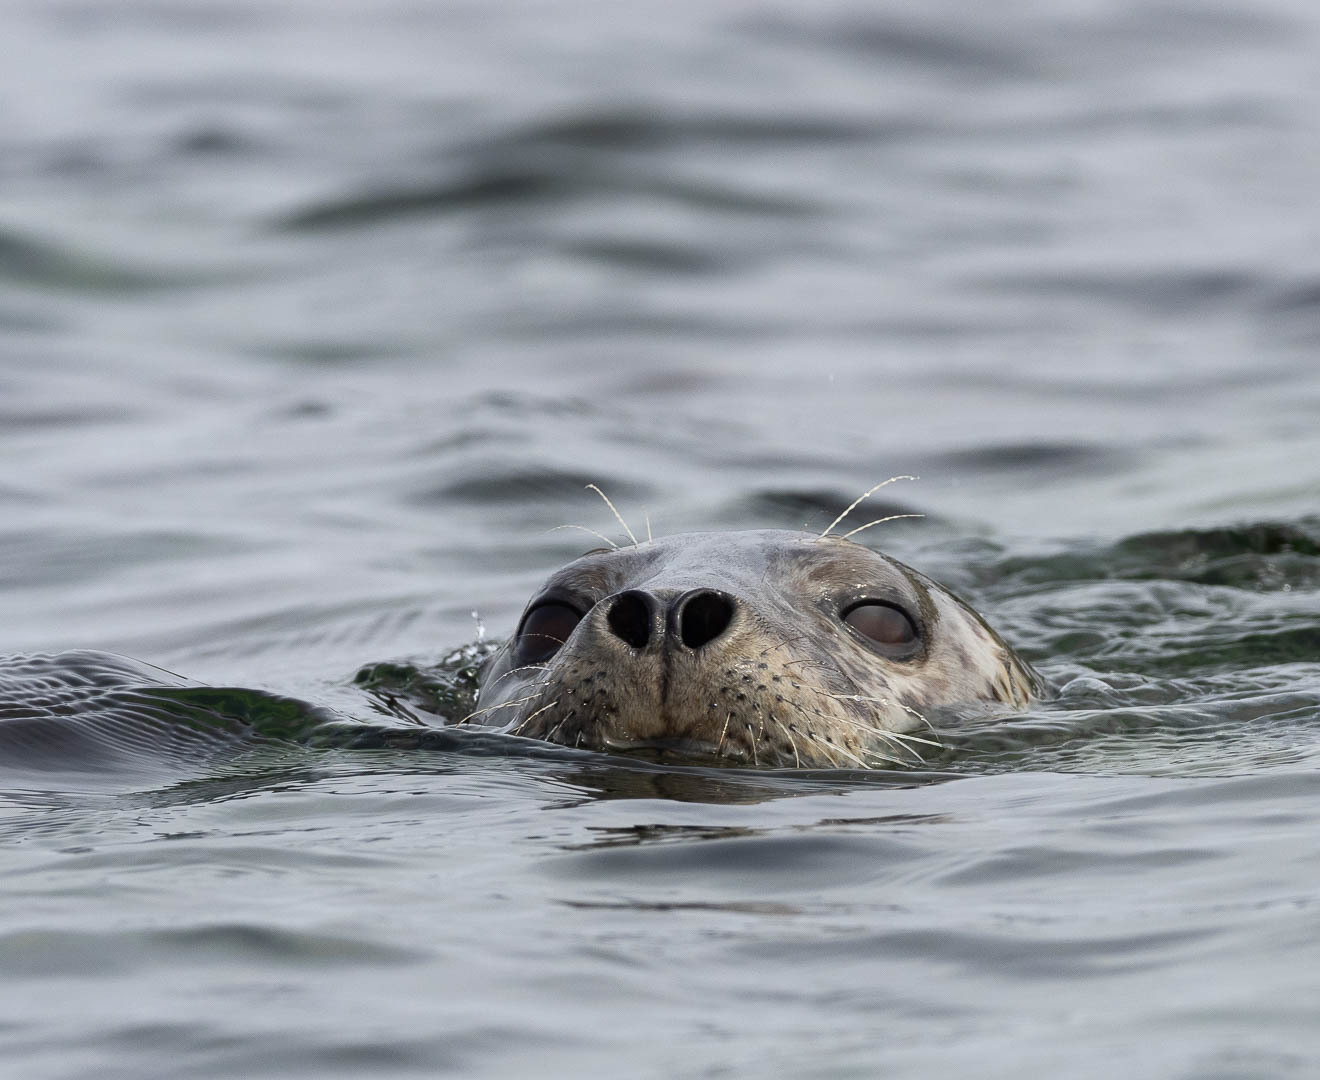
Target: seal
765 648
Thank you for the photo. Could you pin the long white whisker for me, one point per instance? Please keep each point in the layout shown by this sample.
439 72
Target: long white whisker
893 738
532 716
583 528
864 495
615 512
879 521
504 704
516 671
887 736
792 741
848 754
787 641
874 700
723 732
550 735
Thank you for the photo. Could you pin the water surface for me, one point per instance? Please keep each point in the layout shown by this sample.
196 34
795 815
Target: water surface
315 319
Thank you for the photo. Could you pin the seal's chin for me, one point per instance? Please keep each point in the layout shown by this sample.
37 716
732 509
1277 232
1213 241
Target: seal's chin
690 751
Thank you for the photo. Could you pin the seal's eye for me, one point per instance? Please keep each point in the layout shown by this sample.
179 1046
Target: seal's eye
543 632
883 624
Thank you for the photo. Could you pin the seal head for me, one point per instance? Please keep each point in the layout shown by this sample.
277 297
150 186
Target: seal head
763 648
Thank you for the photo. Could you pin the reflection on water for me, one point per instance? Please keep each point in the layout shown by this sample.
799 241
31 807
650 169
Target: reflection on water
318 318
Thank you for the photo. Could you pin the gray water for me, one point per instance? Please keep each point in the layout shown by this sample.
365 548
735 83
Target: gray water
316 319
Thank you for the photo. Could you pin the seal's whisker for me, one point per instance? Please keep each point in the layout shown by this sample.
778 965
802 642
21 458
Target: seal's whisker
864 495
583 528
516 671
914 757
522 725
534 689
548 637
849 755
505 704
787 663
879 701
825 747
723 732
879 521
615 512
649 538
792 741
904 737
899 740
891 737
797 759
884 701
550 735
787 641
813 663
876 754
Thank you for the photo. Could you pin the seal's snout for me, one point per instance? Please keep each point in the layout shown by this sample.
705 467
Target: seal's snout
689 620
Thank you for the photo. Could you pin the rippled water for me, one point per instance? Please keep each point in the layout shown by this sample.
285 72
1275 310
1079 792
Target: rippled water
316 318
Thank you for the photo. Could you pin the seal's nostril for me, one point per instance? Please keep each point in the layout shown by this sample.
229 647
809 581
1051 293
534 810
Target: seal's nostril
702 617
630 618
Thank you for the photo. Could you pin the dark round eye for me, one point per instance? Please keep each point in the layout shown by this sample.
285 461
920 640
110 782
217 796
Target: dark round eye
881 623
544 632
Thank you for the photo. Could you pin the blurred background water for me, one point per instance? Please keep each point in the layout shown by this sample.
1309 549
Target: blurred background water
316 317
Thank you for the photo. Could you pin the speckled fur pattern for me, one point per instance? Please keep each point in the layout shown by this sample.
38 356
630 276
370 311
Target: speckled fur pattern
786 684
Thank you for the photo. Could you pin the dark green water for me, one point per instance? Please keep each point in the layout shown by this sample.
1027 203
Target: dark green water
315 319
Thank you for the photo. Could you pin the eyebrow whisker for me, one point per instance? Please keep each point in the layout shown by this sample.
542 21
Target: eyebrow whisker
878 521
864 495
615 512
583 528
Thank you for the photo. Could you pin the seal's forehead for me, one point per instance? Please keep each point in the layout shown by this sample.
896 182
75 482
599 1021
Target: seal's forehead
697 559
